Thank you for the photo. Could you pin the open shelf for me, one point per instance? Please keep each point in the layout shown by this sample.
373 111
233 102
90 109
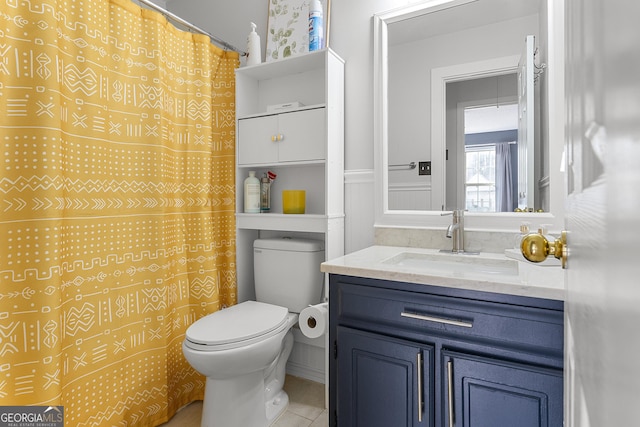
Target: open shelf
287 66
282 222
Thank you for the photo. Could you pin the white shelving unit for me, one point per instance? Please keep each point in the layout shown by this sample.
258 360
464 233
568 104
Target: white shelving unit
312 161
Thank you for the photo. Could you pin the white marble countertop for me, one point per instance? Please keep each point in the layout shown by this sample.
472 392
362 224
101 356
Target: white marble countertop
377 262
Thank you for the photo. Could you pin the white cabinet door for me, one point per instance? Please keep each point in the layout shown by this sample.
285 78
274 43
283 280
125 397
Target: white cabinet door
255 140
303 135
285 137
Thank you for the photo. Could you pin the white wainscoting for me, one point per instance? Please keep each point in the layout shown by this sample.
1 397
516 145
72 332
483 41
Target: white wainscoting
359 209
307 358
410 196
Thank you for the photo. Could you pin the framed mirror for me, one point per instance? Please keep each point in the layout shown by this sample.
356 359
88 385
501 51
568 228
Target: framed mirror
443 69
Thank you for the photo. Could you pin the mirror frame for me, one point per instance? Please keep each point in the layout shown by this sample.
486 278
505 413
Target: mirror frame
499 221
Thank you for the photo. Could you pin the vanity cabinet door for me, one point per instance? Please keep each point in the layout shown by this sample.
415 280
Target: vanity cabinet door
382 381
286 137
486 392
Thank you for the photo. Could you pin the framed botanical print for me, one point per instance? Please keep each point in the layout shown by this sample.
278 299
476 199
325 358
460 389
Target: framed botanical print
288 28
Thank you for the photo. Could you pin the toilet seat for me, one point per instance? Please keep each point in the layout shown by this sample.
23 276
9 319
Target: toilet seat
237 326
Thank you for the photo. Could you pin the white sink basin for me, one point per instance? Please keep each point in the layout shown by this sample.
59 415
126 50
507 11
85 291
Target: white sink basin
456 264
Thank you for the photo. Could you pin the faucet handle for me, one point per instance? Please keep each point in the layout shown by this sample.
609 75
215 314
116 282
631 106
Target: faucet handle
455 212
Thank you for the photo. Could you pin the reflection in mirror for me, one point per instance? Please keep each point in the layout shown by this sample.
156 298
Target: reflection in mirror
472 50
482 144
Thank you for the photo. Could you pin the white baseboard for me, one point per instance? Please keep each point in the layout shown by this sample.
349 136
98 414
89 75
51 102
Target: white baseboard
305 372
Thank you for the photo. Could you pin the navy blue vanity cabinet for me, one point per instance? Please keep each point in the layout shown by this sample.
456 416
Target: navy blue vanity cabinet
386 381
489 392
406 354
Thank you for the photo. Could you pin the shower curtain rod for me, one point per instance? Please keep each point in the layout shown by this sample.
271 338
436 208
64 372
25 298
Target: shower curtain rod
189 25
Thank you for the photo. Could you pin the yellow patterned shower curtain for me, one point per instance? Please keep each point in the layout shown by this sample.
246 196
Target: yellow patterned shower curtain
116 206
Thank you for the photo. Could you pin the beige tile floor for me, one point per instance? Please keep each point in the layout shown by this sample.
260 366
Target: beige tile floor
306 407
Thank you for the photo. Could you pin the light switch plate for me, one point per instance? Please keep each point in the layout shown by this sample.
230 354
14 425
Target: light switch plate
424 168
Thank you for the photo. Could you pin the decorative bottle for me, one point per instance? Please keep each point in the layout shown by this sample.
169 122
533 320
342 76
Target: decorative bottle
524 230
252 193
265 194
316 26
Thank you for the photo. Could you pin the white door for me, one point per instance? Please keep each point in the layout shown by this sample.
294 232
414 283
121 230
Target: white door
603 213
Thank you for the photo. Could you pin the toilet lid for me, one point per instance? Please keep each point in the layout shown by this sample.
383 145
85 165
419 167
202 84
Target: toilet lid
240 322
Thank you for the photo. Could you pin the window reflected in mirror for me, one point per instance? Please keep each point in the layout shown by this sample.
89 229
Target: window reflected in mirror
491 158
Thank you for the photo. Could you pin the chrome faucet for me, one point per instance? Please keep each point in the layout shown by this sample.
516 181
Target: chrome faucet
455 231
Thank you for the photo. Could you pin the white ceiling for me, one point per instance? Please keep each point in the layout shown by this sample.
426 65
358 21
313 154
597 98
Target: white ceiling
457 18
491 119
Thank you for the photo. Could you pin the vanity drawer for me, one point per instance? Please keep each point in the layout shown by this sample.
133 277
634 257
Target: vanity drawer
427 316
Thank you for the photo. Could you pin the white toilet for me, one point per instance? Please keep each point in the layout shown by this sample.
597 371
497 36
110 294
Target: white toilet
243 349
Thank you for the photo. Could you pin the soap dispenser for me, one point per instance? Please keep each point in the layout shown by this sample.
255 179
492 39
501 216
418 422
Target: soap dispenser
254 54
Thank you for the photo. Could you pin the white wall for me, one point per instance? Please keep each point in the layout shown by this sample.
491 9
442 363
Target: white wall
161 3
227 20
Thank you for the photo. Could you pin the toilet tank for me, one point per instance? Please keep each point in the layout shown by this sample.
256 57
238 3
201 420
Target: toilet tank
287 272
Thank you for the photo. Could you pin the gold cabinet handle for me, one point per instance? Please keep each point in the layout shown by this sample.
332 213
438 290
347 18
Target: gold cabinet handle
420 398
536 248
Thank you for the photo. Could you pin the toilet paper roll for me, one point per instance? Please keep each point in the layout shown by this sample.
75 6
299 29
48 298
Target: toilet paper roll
313 320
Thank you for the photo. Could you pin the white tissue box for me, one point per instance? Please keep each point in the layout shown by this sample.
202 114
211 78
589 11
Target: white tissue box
276 108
